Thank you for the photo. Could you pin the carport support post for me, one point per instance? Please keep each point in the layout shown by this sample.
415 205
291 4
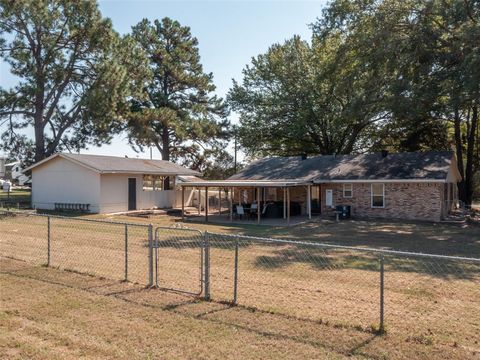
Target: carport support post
206 204
309 201
259 209
199 201
284 203
48 241
288 206
183 203
381 328
220 201
231 204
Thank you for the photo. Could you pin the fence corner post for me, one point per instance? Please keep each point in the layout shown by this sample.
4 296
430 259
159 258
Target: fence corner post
48 241
381 328
150 255
207 266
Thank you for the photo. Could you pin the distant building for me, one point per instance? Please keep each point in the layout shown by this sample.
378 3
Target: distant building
17 175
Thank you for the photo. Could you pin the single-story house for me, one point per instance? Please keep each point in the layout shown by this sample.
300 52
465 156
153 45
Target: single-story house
17 174
413 185
104 184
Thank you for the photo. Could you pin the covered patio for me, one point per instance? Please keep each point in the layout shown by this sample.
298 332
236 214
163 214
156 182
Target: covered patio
264 202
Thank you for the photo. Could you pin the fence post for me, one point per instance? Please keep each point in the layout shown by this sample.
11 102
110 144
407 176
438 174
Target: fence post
126 252
381 328
156 258
48 241
207 265
235 278
150 255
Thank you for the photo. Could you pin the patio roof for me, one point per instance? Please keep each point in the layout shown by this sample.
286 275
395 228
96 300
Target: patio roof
243 183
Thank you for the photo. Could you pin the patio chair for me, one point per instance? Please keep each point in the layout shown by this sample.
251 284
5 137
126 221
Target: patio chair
240 211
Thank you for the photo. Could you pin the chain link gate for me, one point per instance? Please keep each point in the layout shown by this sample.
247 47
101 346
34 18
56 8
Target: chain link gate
178 257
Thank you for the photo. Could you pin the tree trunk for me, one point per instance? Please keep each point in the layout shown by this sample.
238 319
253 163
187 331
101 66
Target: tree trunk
471 136
39 142
459 151
166 154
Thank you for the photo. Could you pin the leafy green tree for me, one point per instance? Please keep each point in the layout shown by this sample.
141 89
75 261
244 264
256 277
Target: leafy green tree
180 115
433 49
398 74
75 74
307 98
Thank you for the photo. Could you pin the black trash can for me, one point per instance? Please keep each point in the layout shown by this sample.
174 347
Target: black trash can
344 211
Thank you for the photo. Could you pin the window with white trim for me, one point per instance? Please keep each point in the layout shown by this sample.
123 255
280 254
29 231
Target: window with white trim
378 195
347 190
147 183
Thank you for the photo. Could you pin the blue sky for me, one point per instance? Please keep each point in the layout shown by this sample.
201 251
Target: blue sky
230 33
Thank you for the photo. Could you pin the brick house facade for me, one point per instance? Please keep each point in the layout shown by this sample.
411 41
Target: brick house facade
412 186
426 201
412 201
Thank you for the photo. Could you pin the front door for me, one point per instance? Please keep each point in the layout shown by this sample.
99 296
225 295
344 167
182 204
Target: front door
316 199
132 194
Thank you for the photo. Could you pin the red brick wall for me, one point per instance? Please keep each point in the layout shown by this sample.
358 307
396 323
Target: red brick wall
422 201
414 201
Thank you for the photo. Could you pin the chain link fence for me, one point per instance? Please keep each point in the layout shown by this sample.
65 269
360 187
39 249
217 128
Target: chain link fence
109 249
363 288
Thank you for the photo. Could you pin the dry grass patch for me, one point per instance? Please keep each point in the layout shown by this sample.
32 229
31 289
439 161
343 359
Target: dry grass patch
46 313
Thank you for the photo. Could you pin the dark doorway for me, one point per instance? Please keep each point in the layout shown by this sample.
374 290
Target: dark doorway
316 199
132 194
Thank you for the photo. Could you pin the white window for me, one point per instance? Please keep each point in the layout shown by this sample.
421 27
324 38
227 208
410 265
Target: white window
147 183
329 197
378 195
347 190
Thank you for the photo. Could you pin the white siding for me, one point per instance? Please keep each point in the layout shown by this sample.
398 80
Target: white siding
114 194
62 181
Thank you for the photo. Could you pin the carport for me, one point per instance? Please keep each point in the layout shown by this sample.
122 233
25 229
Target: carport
235 189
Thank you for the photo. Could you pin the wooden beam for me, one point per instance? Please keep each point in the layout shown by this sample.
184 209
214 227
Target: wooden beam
183 203
284 203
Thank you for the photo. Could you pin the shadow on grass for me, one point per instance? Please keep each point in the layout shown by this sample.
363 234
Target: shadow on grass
272 255
331 259
263 323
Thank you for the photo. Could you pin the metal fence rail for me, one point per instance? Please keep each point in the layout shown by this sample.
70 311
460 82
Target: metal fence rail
363 288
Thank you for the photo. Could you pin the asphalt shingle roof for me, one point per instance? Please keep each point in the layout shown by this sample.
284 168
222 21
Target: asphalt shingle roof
114 164
395 166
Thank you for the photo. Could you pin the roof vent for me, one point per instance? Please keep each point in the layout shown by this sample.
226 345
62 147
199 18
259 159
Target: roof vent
384 153
304 156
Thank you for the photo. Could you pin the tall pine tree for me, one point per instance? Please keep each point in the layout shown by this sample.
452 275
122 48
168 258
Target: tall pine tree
181 116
